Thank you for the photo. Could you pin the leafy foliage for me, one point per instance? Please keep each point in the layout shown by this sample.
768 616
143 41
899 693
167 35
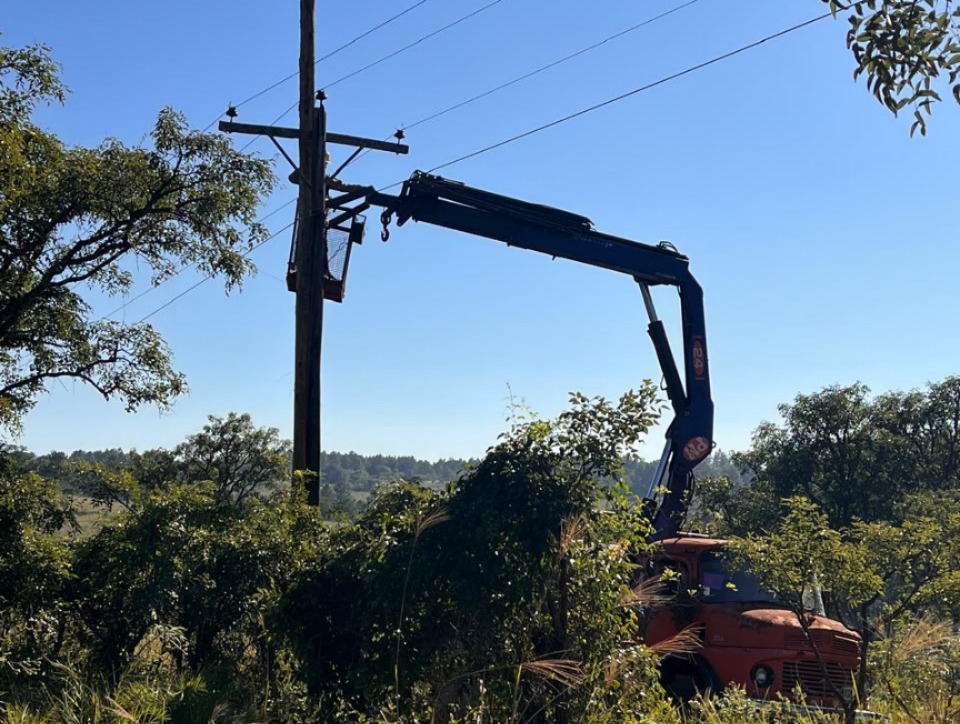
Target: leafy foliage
179 584
503 597
504 593
859 495
917 668
347 477
238 458
855 456
34 568
358 472
803 550
903 47
203 564
73 219
884 578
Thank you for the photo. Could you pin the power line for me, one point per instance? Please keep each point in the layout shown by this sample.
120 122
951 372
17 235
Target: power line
189 289
541 69
383 59
623 96
426 37
337 50
397 52
550 65
180 271
525 134
332 53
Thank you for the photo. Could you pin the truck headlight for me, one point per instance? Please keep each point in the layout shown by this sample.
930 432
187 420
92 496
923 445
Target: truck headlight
762 676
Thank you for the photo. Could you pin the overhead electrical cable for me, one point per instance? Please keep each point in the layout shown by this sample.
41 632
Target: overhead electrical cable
623 96
180 271
550 65
415 43
383 59
541 69
189 289
397 52
332 53
420 40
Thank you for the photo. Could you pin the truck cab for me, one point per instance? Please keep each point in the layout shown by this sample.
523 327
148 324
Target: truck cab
747 637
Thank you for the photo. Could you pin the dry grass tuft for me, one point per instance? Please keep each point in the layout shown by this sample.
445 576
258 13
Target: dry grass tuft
920 638
650 592
685 641
438 515
563 671
571 530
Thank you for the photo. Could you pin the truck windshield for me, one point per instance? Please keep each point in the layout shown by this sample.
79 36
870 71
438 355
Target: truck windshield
720 583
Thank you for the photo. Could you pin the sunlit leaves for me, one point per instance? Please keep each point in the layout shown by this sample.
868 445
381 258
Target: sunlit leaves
905 48
72 222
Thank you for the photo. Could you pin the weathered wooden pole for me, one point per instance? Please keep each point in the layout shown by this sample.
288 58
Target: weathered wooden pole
310 262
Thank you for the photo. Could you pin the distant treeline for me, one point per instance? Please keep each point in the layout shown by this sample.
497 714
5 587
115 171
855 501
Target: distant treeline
59 466
349 471
640 472
363 472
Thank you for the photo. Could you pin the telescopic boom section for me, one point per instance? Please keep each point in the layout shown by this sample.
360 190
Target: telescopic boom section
558 233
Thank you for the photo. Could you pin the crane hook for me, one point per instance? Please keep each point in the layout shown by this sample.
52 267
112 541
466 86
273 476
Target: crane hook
385 219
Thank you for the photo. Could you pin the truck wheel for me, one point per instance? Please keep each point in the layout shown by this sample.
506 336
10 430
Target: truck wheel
684 677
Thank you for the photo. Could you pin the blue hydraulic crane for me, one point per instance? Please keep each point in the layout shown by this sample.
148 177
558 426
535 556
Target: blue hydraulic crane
453 205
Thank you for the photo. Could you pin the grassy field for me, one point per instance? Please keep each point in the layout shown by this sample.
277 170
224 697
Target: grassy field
89 516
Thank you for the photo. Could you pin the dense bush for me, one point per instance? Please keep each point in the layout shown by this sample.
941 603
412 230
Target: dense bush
507 592
503 597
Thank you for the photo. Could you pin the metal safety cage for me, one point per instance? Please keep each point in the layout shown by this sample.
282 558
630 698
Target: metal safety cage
340 242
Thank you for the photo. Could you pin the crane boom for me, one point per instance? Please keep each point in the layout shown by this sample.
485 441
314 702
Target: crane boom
453 205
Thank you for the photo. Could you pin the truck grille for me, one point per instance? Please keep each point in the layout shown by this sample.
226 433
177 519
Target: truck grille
824 640
846 646
795 637
811 679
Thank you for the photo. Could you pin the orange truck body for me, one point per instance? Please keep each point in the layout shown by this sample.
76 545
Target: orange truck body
747 638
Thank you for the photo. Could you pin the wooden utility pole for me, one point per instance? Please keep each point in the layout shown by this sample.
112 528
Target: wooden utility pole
310 259
307 274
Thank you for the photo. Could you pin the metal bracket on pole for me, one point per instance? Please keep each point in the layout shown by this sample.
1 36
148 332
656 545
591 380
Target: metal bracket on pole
360 142
339 202
348 214
346 163
285 154
254 129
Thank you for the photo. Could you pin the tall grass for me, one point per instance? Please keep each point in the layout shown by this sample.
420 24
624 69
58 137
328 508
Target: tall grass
916 672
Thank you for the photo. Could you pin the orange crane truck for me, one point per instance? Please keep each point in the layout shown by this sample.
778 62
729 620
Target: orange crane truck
747 638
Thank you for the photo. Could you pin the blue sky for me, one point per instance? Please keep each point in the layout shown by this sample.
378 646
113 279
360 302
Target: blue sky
824 237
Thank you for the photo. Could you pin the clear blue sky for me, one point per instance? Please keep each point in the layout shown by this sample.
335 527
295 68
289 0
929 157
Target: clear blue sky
824 237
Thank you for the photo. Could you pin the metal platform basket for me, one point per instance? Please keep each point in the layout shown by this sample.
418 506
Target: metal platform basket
340 241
